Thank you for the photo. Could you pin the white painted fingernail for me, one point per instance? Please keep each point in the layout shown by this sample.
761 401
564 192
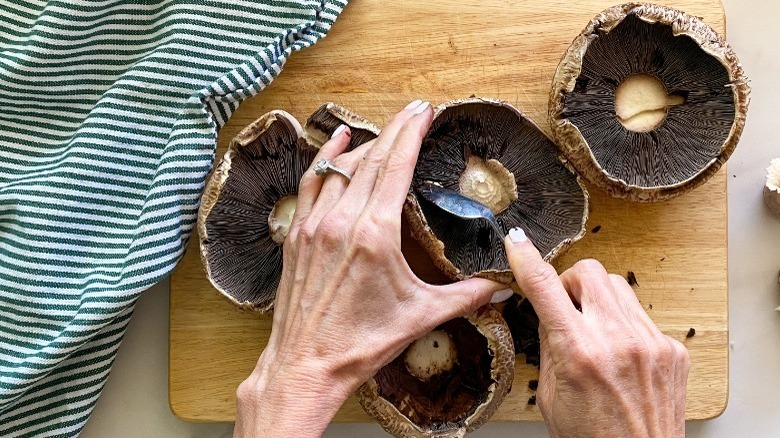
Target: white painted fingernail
502 295
517 235
422 108
414 104
338 131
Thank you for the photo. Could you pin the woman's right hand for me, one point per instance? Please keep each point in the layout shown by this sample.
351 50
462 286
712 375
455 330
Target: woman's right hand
606 370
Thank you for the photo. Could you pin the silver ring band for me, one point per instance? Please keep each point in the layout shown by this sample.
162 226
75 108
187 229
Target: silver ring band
324 166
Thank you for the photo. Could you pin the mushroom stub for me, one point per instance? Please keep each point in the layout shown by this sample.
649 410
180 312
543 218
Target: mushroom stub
248 206
772 187
489 153
648 102
446 383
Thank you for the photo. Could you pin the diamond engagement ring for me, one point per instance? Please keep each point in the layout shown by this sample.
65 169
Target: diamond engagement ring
324 166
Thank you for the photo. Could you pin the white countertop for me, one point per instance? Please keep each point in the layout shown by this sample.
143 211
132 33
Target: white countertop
135 400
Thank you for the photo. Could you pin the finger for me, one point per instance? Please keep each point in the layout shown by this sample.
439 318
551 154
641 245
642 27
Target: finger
540 283
630 303
458 299
589 284
681 370
547 381
365 177
395 174
311 184
334 185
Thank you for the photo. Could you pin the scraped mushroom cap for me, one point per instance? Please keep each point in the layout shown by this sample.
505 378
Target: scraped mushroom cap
772 187
327 118
247 207
447 383
492 153
648 102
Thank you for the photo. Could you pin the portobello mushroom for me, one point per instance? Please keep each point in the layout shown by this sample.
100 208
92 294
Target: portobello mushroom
648 102
502 172
447 383
249 202
772 187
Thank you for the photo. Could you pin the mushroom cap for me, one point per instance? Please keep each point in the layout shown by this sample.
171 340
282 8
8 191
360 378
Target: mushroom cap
455 402
550 203
326 119
262 165
772 187
695 138
241 237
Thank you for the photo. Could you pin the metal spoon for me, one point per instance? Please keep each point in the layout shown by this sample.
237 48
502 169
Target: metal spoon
458 205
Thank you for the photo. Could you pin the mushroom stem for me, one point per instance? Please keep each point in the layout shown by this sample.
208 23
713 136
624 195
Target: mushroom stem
489 183
281 217
642 102
772 187
431 355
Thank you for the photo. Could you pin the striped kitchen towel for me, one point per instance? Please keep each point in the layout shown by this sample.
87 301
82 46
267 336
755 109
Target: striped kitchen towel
109 113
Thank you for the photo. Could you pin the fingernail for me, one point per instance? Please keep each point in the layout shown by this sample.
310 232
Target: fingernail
422 108
338 131
502 295
414 104
517 235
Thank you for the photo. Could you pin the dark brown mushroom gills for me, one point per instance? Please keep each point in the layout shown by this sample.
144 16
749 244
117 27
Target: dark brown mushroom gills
450 396
244 258
693 131
326 119
495 141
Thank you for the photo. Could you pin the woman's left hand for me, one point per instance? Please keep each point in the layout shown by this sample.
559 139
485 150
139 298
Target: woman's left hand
347 303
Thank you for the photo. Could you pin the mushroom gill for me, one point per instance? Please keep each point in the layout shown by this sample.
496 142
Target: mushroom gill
490 152
648 102
250 200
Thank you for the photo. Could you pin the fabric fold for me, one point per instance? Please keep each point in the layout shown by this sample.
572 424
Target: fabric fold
109 113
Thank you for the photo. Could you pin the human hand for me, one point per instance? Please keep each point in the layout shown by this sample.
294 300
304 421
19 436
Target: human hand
607 370
347 303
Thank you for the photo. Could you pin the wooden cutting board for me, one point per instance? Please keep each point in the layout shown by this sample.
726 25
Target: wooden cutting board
381 55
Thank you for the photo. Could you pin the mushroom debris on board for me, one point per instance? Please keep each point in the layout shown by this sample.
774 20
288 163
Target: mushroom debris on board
648 102
250 199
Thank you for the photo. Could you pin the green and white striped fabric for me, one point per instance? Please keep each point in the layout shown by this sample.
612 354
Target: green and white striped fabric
109 111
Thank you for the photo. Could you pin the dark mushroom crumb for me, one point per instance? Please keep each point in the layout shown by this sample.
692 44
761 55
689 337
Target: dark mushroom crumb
650 306
596 229
631 277
533 384
662 259
691 333
532 400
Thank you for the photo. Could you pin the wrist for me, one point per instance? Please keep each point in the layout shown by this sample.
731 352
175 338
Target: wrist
280 399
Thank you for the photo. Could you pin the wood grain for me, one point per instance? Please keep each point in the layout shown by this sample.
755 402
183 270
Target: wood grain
381 55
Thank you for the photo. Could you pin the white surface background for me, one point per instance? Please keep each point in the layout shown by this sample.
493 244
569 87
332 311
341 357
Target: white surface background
135 401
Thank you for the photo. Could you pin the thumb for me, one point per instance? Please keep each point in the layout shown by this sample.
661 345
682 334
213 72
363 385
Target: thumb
539 281
463 297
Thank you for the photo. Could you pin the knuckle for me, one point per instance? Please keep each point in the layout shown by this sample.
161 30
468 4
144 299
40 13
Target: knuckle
583 361
331 230
305 233
637 351
680 352
366 235
541 276
618 279
588 267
